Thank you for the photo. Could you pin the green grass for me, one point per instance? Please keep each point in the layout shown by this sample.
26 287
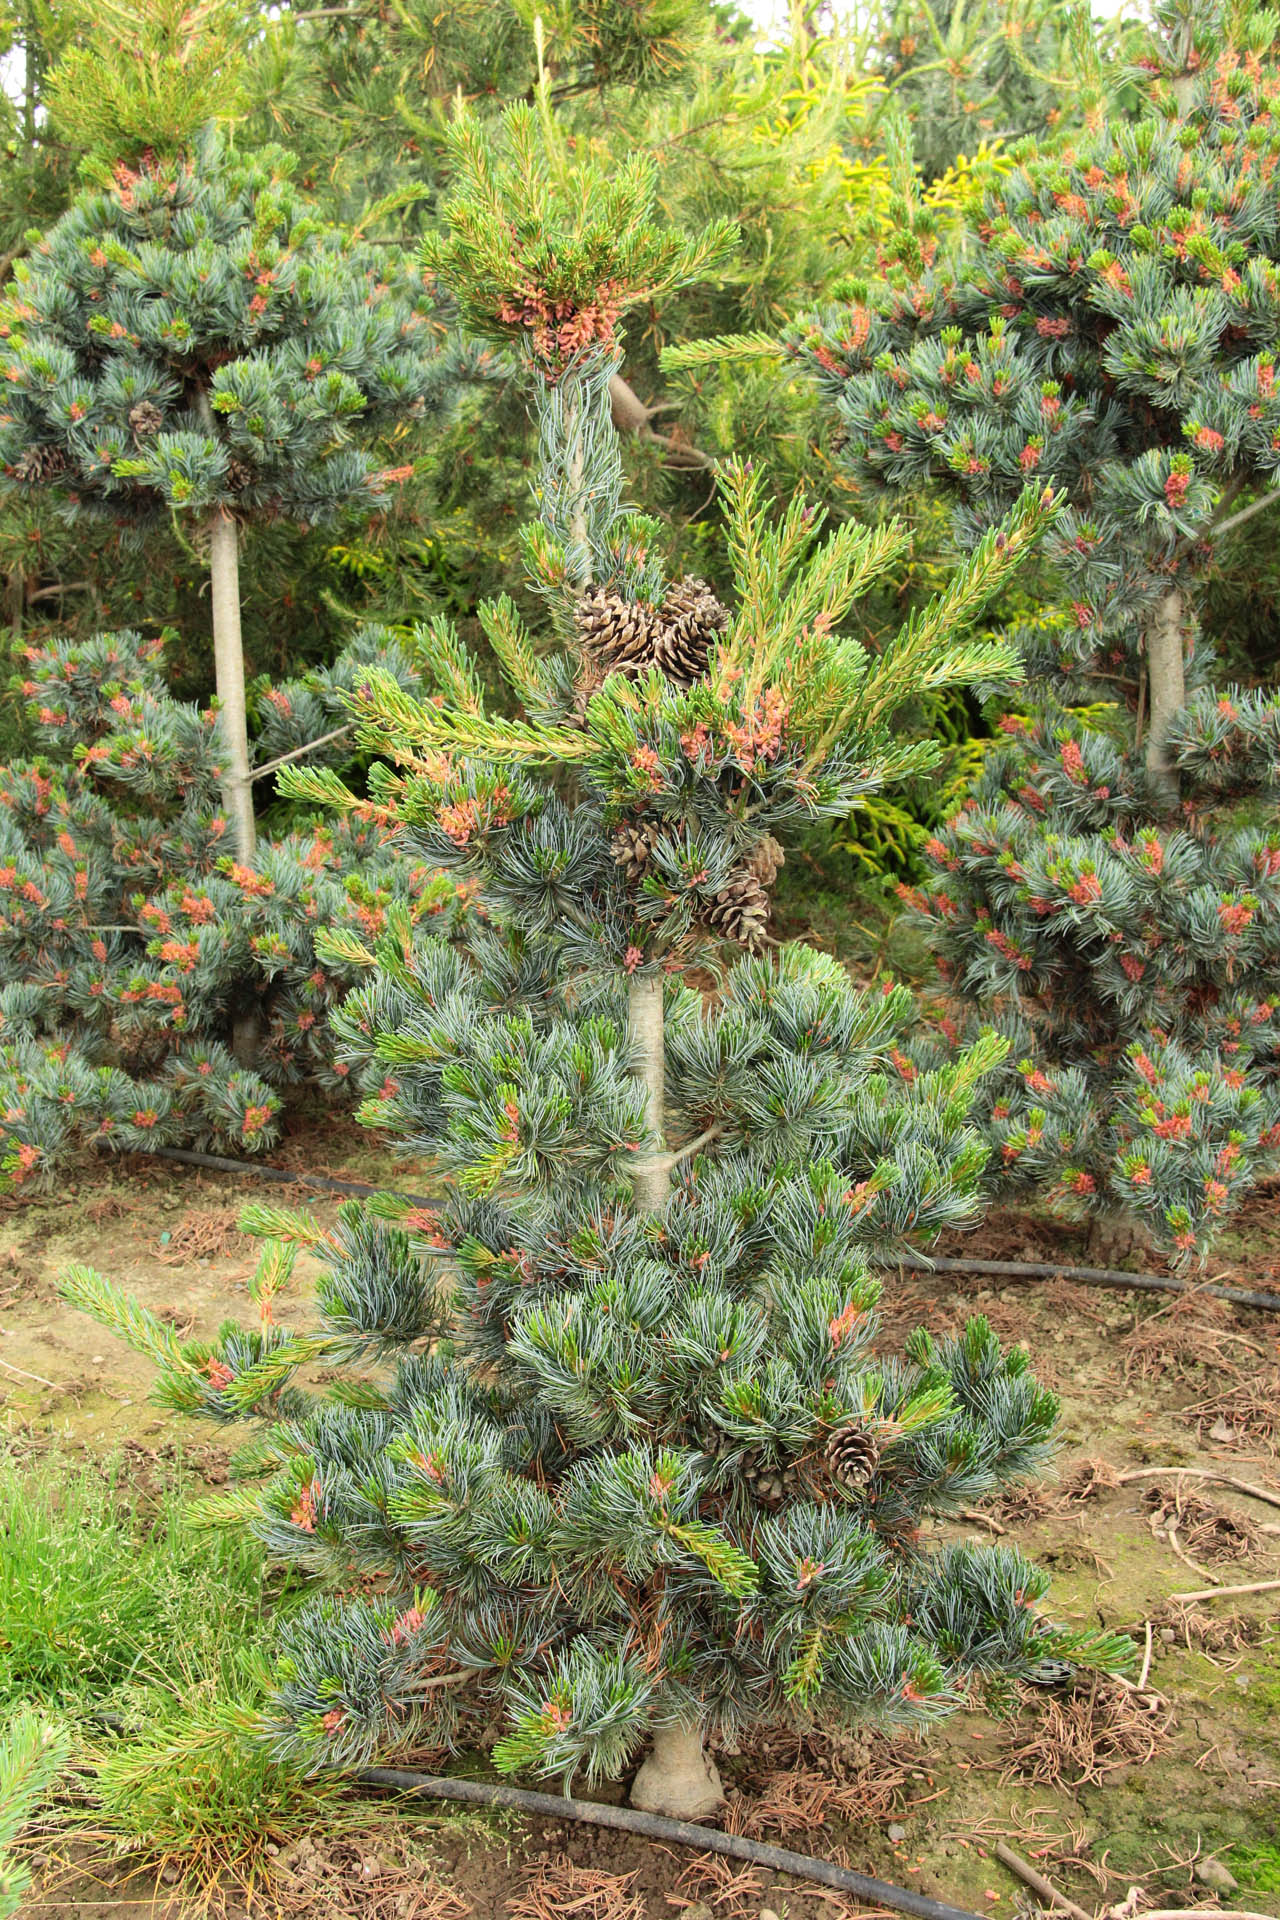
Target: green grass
1256 1868
101 1591
146 1635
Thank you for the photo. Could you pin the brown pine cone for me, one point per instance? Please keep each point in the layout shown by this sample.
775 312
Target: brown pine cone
616 632
852 1456
765 859
689 622
239 476
633 847
146 419
39 464
740 911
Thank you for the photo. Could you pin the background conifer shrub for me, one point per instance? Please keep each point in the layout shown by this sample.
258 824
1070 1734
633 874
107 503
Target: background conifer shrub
156 989
1110 892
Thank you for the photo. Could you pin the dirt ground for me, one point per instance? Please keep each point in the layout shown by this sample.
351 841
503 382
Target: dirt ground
1102 1787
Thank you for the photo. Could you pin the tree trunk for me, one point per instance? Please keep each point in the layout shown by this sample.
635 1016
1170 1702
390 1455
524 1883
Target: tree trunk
677 1778
1168 688
228 661
579 555
1116 1238
652 1179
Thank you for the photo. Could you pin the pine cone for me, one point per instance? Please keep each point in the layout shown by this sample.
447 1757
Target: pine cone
690 620
626 636
39 463
239 476
770 1485
852 1456
633 847
740 911
146 419
765 859
616 632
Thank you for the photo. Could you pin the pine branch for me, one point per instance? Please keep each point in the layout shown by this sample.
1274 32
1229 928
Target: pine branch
234 1507
121 1314
701 355
283 1224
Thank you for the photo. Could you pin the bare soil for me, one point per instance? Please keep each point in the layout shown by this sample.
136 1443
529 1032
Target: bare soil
1099 1786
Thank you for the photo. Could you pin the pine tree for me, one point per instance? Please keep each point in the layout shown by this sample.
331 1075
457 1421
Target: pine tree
969 76
189 341
1107 890
624 1465
156 989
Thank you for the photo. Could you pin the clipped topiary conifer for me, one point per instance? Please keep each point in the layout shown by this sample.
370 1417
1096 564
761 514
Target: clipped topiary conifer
612 1455
1110 894
190 340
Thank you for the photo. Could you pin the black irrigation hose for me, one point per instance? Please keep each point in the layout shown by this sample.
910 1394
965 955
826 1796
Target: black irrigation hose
1001 1269
218 1163
655 1826
1090 1277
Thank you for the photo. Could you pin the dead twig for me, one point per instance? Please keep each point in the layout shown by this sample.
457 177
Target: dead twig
1202 1473
981 1520
1146 1659
1171 1535
1037 1882
24 1375
1220 1593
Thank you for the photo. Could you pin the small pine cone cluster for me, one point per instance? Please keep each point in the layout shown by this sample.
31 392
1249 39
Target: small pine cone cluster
633 847
628 637
740 911
38 464
146 419
852 1455
239 476
770 1485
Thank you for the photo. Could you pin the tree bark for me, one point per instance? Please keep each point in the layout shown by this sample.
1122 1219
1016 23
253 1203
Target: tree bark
228 661
1115 1237
677 1778
1167 685
630 415
651 1180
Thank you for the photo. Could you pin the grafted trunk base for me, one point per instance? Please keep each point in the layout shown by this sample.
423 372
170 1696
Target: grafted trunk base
1115 1239
677 1778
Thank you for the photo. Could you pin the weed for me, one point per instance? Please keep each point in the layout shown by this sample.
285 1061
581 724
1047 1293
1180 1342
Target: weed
194 1791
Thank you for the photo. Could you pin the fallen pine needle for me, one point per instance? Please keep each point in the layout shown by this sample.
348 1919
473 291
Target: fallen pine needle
1205 1913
